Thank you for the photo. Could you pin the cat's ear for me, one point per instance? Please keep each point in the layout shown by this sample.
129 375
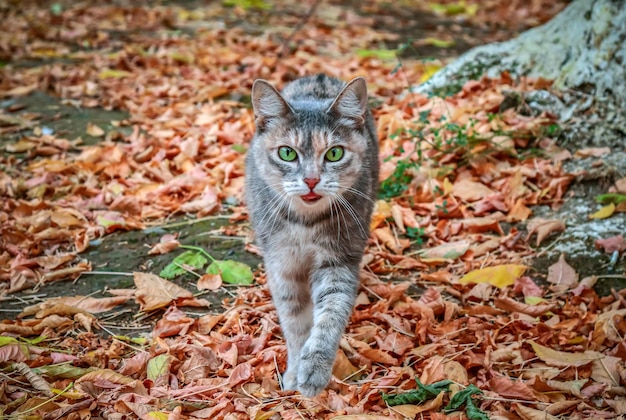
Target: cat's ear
351 103
268 104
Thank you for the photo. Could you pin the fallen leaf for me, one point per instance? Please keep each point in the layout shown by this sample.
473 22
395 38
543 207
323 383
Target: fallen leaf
94 130
544 228
564 359
154 292
499 276
468 190
612 244
209 282
562 274
604 213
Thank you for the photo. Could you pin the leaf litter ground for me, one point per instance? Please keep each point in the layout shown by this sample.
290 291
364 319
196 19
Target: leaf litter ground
461 177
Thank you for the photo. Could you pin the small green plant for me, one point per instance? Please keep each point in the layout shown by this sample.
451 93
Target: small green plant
427 392
417 234
399 180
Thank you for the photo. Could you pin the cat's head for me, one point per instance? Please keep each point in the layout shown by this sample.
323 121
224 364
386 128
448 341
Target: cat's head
312 148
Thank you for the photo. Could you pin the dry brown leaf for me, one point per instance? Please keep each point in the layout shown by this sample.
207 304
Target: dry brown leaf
544 228
511 305
411 410
528 413
564 359
468 190
612 244
209 282
94 130
562 275
154 292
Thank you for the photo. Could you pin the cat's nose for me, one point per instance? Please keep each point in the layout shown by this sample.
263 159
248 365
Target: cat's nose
311 182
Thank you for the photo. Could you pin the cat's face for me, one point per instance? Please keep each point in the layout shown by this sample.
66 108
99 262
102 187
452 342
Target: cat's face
312 150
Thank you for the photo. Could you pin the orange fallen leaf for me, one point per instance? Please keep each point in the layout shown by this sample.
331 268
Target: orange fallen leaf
564 359
209 282
511 305
468 190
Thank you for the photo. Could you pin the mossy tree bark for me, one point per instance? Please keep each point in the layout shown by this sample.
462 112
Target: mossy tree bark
583 48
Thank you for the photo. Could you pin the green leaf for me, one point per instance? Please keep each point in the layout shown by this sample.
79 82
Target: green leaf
158 366
419 395
473 412
380 54
614 198
232 272
4 340
462 397
193 259
239 148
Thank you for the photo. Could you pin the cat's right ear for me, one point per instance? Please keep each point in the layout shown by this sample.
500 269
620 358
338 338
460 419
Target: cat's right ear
269 106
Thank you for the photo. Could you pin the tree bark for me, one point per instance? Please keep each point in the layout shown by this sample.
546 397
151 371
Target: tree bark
582 48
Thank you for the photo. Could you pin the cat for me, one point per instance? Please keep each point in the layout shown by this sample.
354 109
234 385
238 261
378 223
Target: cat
311 182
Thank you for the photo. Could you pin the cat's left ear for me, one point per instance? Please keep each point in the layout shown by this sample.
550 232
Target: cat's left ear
268 104
351 103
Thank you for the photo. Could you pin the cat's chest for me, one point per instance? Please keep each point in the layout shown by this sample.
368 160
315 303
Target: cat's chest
299 241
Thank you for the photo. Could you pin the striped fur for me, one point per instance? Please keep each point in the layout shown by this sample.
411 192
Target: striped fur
312 250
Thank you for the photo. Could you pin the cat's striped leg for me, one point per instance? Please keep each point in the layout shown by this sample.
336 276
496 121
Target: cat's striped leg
292 299
334 290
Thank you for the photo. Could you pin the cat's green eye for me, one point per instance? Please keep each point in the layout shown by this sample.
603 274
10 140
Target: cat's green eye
334 154
287 154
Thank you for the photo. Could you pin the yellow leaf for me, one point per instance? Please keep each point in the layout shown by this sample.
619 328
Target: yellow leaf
499 276
604 212
157 415
533 300
447 186
436 42
381 213
110 73
429 70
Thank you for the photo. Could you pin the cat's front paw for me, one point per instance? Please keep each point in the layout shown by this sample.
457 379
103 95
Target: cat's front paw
290 380
314 372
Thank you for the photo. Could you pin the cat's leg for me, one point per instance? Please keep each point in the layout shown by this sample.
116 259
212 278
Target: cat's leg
292 298
334 290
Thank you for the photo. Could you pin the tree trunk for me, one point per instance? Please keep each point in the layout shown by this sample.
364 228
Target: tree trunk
582 48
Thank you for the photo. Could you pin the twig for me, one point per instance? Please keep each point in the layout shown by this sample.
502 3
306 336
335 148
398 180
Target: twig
108 273
297 28
187 222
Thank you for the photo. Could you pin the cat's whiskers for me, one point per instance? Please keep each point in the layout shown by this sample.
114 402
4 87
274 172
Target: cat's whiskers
332 211
361 194
346 204
273 205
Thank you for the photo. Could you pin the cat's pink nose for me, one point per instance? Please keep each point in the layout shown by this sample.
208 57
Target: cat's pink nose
311 182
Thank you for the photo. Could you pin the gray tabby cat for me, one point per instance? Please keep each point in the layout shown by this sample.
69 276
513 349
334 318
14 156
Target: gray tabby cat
311 182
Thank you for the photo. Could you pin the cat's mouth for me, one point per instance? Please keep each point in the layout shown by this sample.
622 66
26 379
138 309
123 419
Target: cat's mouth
311 197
